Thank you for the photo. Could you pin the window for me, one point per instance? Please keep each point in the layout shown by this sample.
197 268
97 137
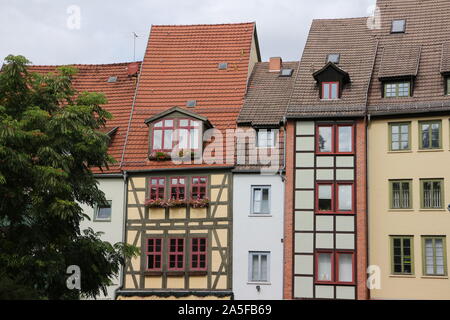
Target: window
430 134
334 57
434 256
448 86
198 187
334 198
176 254
397 89
223 65
399 136
398 26
335 266
191 103
198 254
103 211
286 72
178 188
265 139
432 193
335 138
400 194
259 266
157 188
325 198
154 254
187 134
260 200
330 90
402 254
163 135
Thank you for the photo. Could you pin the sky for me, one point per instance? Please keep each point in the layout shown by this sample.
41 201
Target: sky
95 31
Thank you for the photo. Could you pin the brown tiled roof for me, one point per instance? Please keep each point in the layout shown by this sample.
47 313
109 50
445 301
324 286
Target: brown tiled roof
119 95
181 64
352 39
399 61
428 27
267 96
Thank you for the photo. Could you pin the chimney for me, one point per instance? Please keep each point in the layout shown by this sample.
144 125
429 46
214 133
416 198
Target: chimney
133 69
275 64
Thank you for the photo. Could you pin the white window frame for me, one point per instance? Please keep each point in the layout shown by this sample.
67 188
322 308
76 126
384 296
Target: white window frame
252 203
267 132
251 254
97 209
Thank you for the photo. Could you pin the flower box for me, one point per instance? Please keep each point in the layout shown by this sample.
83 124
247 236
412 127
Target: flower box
199 203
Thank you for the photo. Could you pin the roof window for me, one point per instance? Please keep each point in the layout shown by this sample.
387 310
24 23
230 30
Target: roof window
398 26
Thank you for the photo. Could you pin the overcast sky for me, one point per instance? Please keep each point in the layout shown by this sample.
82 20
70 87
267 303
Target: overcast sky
46 31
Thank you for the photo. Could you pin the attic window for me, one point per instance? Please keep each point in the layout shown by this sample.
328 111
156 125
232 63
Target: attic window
333 57
223 65
398 26
112 79
191 103
286 72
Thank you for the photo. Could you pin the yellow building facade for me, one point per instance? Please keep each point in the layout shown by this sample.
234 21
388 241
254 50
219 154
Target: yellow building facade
409 221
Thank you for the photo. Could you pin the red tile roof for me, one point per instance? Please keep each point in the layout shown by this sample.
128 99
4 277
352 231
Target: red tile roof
181 64
119 94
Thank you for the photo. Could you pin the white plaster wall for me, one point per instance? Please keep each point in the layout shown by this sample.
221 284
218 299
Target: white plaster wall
257 234
113 230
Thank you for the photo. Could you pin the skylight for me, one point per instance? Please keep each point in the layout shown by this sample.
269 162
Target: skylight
112 79
223 65
286 72
333 57
191 103
398 26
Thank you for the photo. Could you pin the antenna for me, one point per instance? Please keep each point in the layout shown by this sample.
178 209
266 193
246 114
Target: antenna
134 45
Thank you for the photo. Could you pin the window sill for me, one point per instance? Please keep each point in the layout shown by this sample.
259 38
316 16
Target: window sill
406 276
256 283
431 210
430 150
401 210
260 215
102 220
153 273
400 151
435 277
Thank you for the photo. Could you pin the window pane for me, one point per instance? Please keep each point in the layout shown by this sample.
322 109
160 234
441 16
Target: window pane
255 268
334 91
326 91
324 267
257 197
435 139
104 212
168 139
264 268
325 197
345 139
265 201
183 138
325 139
345 267
157 139
184 123
194 138
425 136
345 198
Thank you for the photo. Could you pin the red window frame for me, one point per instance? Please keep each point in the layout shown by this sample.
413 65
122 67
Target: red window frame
199 253
163 128
330 90
338 184
334 267
178 187
335 138
175 254
189 127
334 197
196 187
160 189
154 249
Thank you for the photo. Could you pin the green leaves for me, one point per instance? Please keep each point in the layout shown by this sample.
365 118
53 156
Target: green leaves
49 139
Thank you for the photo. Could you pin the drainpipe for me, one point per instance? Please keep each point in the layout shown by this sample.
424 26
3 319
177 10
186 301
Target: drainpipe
124 220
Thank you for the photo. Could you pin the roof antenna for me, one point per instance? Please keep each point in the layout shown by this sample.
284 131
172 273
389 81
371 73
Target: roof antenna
134 45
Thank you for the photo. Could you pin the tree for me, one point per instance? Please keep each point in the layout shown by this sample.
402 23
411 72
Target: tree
49 141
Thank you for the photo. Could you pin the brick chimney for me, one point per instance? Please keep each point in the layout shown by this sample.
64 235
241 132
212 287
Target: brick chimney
275 64
133 69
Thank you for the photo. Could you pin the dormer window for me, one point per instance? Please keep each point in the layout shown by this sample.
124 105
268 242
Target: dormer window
397 89
334 57
265 139
447 88
168 133
330 90
398 26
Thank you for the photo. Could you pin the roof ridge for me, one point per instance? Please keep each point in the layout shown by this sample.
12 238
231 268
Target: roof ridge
203 24
83 64
340 19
